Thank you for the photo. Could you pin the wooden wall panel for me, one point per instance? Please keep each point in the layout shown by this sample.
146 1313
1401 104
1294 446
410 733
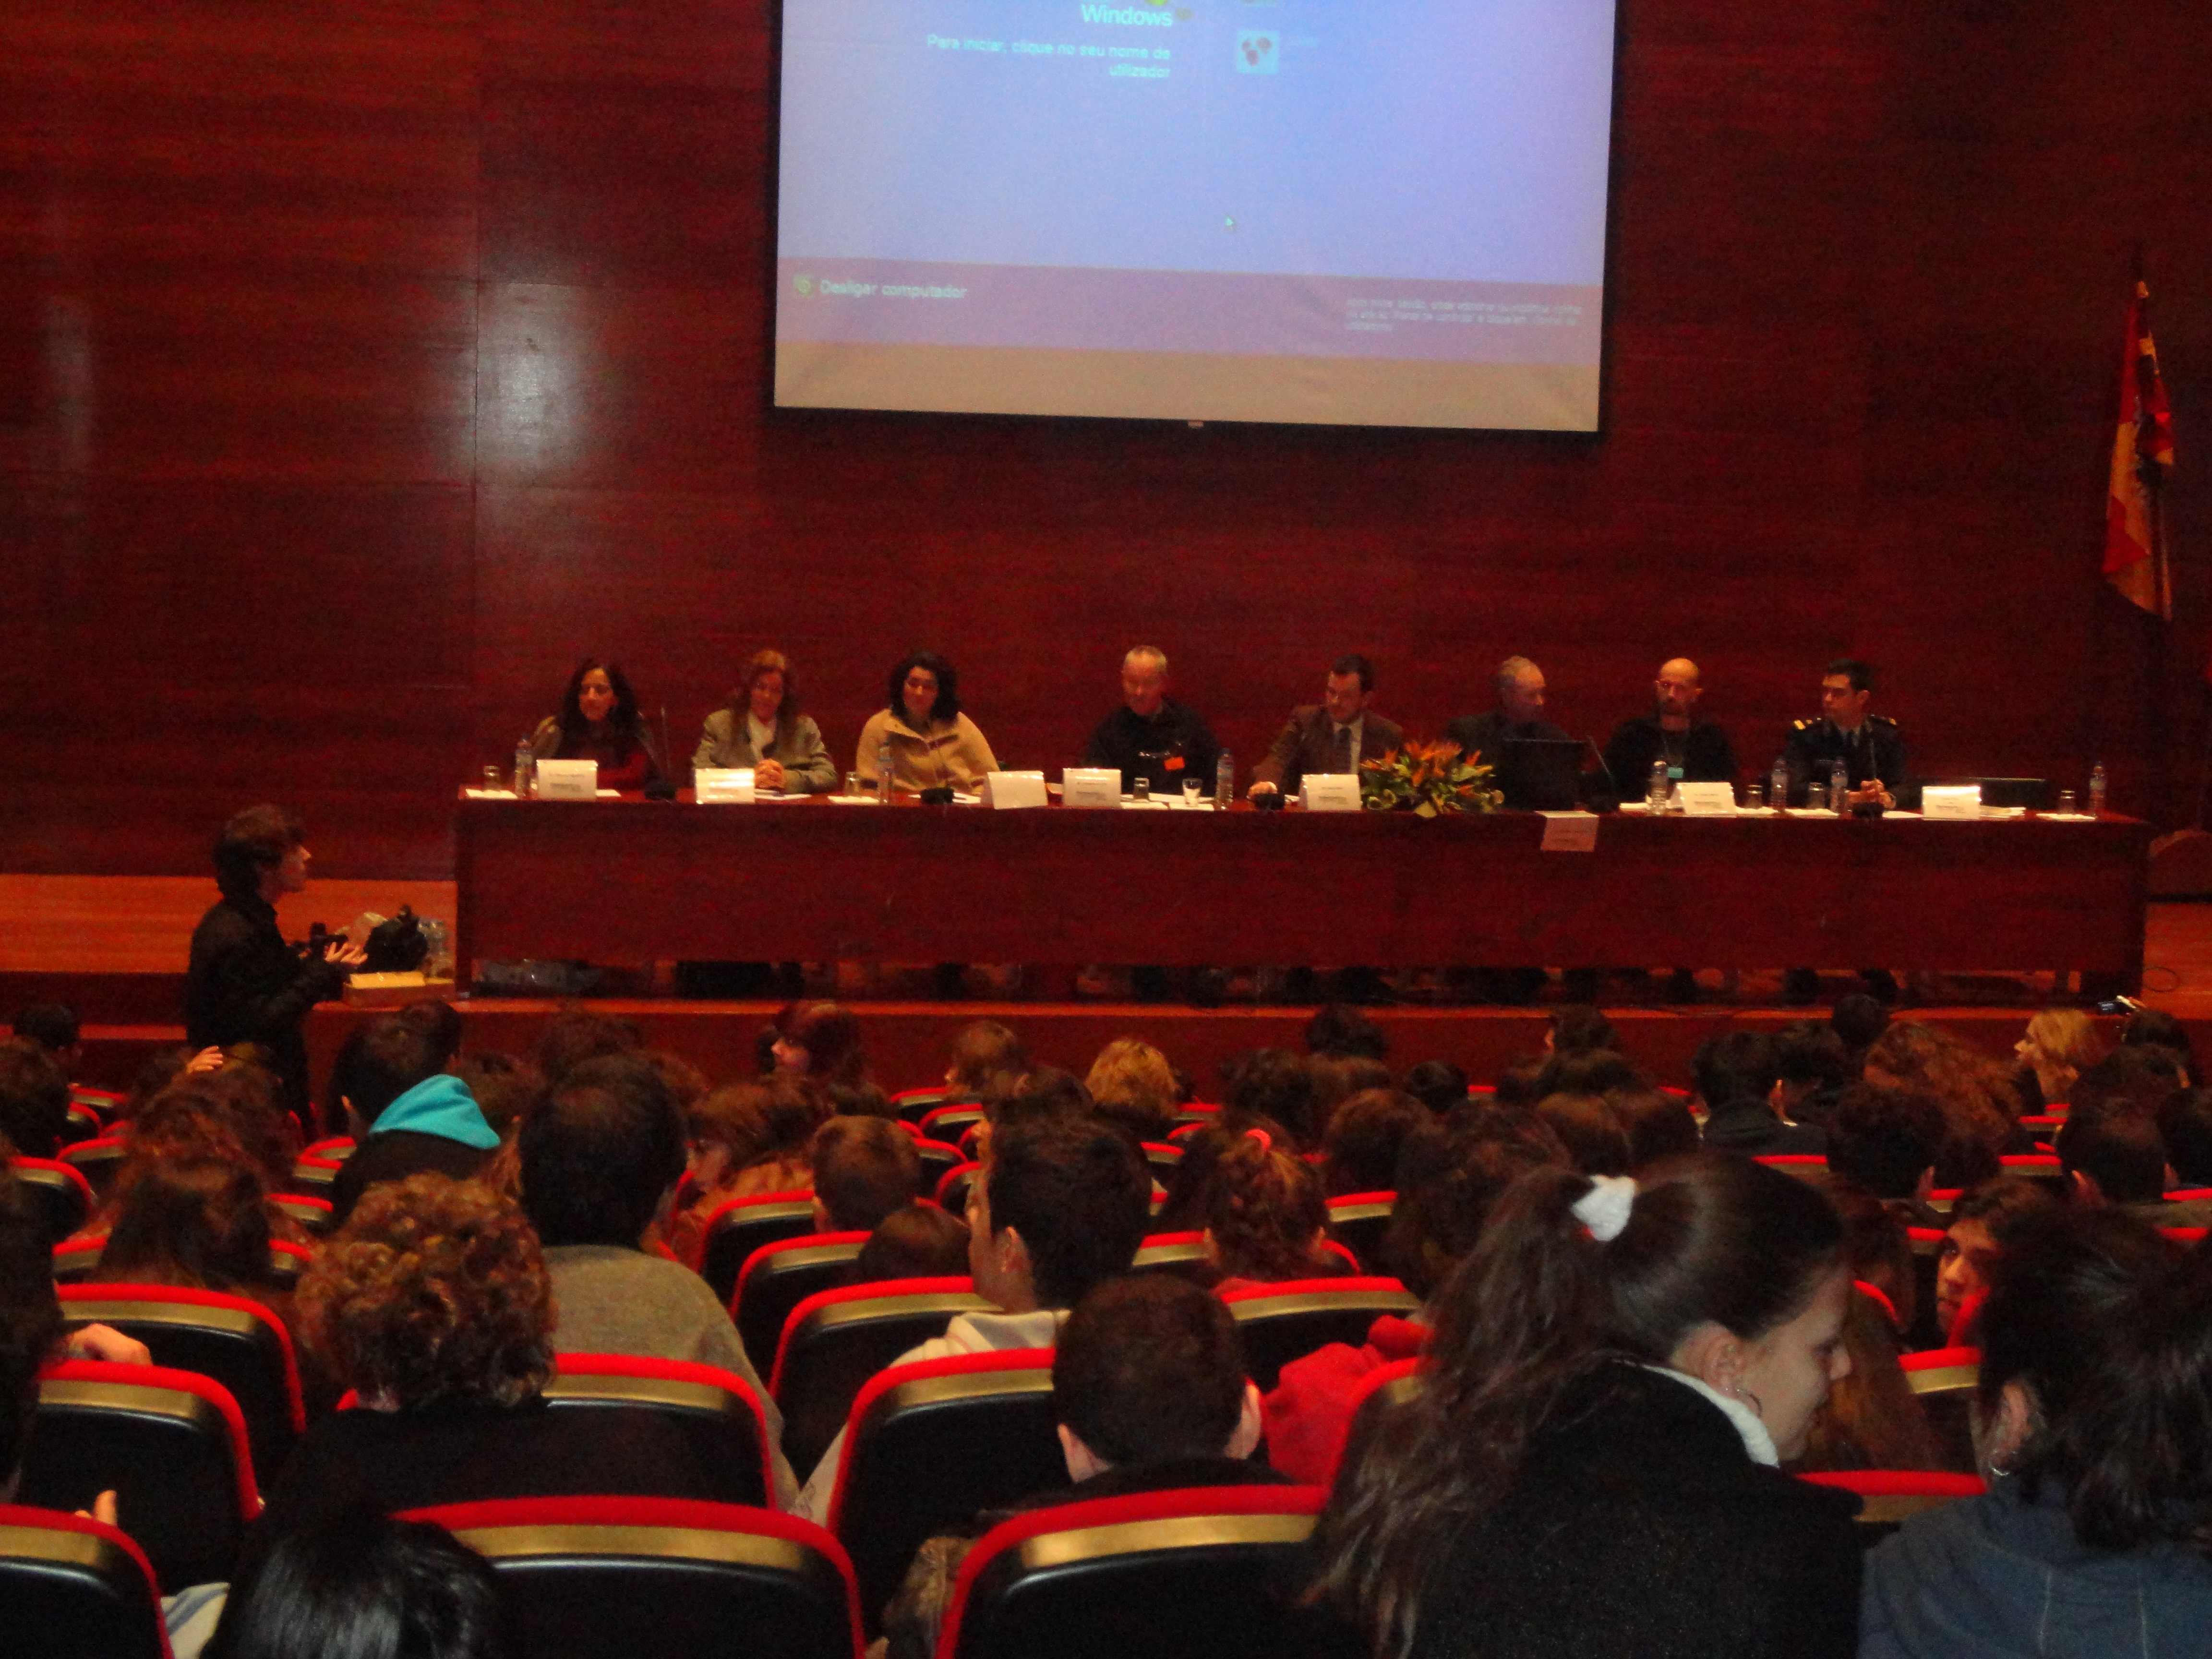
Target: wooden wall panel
362 365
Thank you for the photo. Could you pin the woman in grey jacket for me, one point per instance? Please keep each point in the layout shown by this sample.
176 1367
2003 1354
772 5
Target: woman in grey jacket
762 728
2093 1424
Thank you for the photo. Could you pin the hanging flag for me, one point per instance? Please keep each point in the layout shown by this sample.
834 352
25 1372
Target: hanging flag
2142 455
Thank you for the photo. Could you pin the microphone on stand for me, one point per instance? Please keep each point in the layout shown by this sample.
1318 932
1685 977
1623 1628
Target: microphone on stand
664 786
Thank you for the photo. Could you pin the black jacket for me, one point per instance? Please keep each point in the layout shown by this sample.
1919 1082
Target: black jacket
246 984
1875 750
1750 1126
1706 755
1171 746
1640 1525
394 1156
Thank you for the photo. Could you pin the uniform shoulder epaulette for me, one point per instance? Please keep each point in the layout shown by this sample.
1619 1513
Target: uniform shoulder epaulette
1803 725
1883 720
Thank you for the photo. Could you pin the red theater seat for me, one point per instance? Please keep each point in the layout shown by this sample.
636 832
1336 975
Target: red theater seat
588 1577
1944 1380
1204 1573
1359 1220
312 1176
1891 1496
952 1189
835 1340
86 1589
716 1412
63 1191
312 1213
170 1444
1180 1254
1277 1324
776 1278
936 1156
238 1342
952 1120
738 1227
99 1160
930 1445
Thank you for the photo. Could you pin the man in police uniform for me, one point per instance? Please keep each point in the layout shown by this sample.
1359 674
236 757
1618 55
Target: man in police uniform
1869 745
1873 762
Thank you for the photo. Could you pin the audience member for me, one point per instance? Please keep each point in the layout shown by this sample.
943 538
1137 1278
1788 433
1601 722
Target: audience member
1735 1075
2141 1077
1343 1031
433 1304
575 1035
1579 1029
2113 1154
33 1098
1359 1150
1657 1124
601 1156
1886 1140
1148 1385
1592 1072
1878 1250
861 1099
2184 1124
685 1082
745 1139
406 1112
987 1060
1616 1373
53 1026
502 1085
2057 1047
1523 1082
2155 1028
1871 1418
919 1241
361 1586
1588 1127
1273 1085
1337 1078
1974 1089
1984 1223
864 1168
1813 1070
821 1042
1062 1207
201 1223
1132 1086
1266 1220
163 1067
2091 1422
1858 1018
1437 1084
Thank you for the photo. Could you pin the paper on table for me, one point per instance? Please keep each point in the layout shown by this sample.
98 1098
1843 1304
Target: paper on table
2068 817
1570 832
508 794
1707 800
855 800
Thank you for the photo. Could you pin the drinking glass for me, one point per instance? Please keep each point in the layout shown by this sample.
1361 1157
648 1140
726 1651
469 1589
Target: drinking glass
490 779
1816 796
1754 796
852 783
1142 788
1191 790
2066 801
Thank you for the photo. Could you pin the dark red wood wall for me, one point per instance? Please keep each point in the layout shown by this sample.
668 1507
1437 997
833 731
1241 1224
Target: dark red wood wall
363 364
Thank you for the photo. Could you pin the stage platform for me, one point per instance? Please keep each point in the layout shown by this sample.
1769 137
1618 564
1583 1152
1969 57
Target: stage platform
115 949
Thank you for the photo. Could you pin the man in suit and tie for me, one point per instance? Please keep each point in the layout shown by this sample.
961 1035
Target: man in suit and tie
1333 735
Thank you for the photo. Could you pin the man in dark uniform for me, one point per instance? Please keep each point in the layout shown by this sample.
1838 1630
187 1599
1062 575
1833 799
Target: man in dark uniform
1872 755
1151 735
1869 746
245 983
1695 750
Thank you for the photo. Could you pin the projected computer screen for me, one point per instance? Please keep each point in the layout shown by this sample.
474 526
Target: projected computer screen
1387 212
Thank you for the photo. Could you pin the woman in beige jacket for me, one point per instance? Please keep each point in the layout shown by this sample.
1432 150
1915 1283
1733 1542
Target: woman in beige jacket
932 743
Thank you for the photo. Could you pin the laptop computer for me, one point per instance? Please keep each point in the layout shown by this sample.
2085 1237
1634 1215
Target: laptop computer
1540 774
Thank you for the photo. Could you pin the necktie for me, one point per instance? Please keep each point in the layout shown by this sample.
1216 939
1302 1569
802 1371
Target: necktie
1343 762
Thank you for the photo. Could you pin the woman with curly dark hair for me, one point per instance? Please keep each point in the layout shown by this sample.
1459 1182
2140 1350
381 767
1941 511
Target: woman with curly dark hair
932 743
600 720
1266 1220
432 1303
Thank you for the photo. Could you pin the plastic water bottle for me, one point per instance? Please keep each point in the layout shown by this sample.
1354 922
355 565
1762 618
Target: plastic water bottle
1655 787
2097 790
1778 785
525 771
884 772
1839 785
1224 780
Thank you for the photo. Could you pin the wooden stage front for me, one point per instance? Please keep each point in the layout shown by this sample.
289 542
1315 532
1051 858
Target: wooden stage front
115 949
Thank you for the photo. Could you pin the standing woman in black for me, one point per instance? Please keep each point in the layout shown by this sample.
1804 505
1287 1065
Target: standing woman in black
1591 1466
245 983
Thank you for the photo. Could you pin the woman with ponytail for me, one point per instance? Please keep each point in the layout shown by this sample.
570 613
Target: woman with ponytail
1266 1220
1591 1467
2093 1424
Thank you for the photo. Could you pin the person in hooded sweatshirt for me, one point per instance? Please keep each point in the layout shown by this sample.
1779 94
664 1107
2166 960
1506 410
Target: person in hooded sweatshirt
2093 1424
1062 1207
410 1116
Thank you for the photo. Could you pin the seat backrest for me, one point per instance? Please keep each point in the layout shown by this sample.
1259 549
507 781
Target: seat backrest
1277 1323
99 1159
835 1340
1889 1498
82 1121
912 1105
313 1177
62 1189
85 1588
170 1444
1944 1380
1180 1254
336 1148
583 1578
313 1214
738 1227
239 1342
776 1278
1359 1220
1385 1389
952 1188
1208 1572
936 1156
930 1445
950 1121
717 1411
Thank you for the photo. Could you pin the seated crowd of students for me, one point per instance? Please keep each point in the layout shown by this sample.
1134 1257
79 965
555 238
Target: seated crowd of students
1635 1319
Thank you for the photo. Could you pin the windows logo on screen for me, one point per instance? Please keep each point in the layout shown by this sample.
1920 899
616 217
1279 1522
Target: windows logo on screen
1256 52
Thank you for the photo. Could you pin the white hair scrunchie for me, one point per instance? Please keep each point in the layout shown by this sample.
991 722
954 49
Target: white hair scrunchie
1604 1208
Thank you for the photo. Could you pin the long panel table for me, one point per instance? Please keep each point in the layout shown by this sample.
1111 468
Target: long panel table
628 881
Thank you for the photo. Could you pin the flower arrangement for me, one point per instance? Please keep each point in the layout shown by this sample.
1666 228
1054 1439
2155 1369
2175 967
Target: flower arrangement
1432 778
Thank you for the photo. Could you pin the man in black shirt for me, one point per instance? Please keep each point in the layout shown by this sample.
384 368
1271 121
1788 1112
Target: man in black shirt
1695 750
1151 735
245 983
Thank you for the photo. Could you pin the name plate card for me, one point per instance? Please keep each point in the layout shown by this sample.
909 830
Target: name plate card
1329 792
1013 789
1706 800
1090 785
721 786
1570 832
568 780
1961 800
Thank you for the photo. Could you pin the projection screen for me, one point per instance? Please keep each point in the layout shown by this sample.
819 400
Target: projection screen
1372 212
